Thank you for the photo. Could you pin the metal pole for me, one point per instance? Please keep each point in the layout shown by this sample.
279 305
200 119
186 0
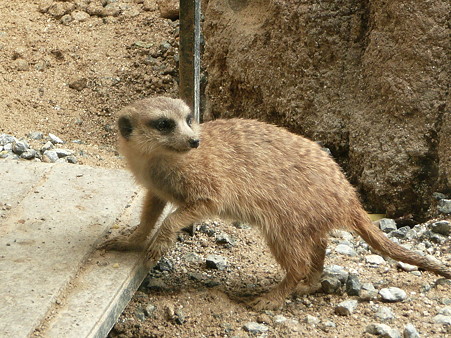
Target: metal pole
189 52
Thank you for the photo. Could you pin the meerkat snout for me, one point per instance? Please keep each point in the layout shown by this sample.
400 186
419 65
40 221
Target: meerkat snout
194 143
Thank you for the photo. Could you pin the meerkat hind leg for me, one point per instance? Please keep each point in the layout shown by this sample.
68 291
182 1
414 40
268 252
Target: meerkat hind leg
136 241
312 282
275 298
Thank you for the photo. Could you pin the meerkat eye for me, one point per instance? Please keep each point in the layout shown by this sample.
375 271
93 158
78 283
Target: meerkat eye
163 125
189 120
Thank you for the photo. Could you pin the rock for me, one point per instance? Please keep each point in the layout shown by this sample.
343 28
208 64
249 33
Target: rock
353 285
255 328
36 135
263 318
164 264
330 284
79 84
346 308
375 260
441 227
58 9
384 313
345 250
29 154
80 16
179 316
169 9
5 139
149 309
387 225
407 267
71 159
63 152
50 156
392 294
312 320
19 147
222 238
21 64
47 146
55 139
367 292
192 257
445 311
216 262
444 206
442 319
279 319
382 330
400 233
410 331
336 271
156 284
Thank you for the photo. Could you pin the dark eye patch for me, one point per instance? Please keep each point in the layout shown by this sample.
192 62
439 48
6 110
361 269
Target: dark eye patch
189 120
125 127
163 125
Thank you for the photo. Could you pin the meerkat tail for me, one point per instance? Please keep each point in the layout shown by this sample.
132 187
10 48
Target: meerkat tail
380 242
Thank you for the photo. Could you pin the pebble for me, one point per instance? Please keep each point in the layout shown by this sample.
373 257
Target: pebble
50 156
29 154
222 238
279 319
387 225
264 319
216 262
63 152
336 271
36 135
444 206
255 328
149 309
330 284
407 267
383 330
346 308
375 260
312 320
164 264
353 285
367 292
55 139
392 294
410 331
345 250
441 227
445 311
442 319
18 147
384 313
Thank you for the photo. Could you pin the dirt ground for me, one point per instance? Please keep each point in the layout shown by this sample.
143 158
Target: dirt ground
67 73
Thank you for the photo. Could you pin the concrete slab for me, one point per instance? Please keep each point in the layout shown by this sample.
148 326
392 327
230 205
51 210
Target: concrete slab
53 282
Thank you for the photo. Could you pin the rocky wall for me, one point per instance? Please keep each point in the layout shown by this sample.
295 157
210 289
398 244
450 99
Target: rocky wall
369 79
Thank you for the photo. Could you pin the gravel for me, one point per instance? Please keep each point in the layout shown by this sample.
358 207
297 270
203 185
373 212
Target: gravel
13 148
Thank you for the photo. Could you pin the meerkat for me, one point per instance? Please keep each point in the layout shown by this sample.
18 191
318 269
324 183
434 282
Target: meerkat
249 171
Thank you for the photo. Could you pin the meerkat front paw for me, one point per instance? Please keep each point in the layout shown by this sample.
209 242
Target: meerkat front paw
121 243
154 253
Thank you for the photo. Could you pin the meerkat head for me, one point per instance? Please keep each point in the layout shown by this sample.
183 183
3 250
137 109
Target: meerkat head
158 124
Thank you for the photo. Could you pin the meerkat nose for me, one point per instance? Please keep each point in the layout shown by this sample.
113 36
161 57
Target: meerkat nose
194 143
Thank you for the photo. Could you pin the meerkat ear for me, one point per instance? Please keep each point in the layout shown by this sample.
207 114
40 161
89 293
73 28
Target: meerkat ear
125 126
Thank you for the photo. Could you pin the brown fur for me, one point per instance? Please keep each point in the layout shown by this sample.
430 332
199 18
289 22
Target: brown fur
249 171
